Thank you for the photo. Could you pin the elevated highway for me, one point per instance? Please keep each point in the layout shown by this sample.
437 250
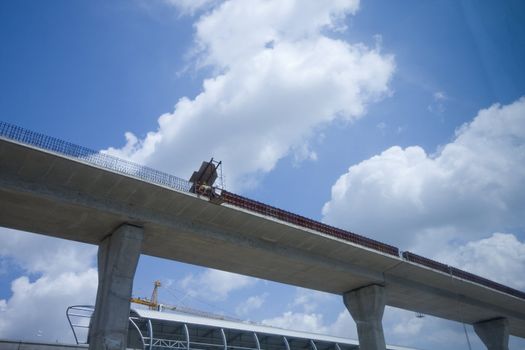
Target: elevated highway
85 197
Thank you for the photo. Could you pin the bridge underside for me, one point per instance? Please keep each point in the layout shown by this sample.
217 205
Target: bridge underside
49 194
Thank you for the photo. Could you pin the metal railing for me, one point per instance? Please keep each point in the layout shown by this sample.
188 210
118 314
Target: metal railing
145 173
458 273
96 158
265 209
79 318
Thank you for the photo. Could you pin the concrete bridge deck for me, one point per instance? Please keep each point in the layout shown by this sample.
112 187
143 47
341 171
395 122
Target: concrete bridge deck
56 195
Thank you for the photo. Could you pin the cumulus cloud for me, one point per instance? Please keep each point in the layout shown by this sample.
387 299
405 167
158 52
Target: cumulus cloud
501 257
299 321
343 326
36 310
446 205
214 285
309 300
41 254
402 324
278 78
470 188
401 327
57 274
427 332
307 313
251 304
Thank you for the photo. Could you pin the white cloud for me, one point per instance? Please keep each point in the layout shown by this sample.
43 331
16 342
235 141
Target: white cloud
43 254
251 304
472 187
447 206
278 79
501 257
36 310
214 285
306 322
243 29
307 313
65 276
343 326
402 327
403 324
308 300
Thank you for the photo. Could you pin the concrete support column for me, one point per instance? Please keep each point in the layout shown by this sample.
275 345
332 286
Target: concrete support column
366 305
118 255
494 333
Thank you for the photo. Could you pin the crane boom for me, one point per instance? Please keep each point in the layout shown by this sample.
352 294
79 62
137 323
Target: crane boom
152 303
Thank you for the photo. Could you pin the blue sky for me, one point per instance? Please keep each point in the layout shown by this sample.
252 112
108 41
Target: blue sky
347 112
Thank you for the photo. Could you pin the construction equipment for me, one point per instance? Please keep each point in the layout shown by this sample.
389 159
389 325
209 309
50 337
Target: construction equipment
152 303
203 179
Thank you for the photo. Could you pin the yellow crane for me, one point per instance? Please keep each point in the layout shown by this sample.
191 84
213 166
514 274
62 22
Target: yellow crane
153 303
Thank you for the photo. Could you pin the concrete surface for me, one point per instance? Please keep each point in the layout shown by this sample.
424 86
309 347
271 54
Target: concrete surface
50 194
118 255
367 305
494 333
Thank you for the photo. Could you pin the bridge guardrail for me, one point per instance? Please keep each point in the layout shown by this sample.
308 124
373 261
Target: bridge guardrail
90 156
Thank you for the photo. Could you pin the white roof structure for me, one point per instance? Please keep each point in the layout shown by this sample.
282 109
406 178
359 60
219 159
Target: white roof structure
199 332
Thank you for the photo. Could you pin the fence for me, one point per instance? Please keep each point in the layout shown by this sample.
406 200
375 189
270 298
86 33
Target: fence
92 157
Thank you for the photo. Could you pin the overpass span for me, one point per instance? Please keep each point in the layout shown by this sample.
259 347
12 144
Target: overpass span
55 188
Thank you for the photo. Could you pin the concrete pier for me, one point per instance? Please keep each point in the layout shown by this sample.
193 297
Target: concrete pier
118 255
494 333
366 305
